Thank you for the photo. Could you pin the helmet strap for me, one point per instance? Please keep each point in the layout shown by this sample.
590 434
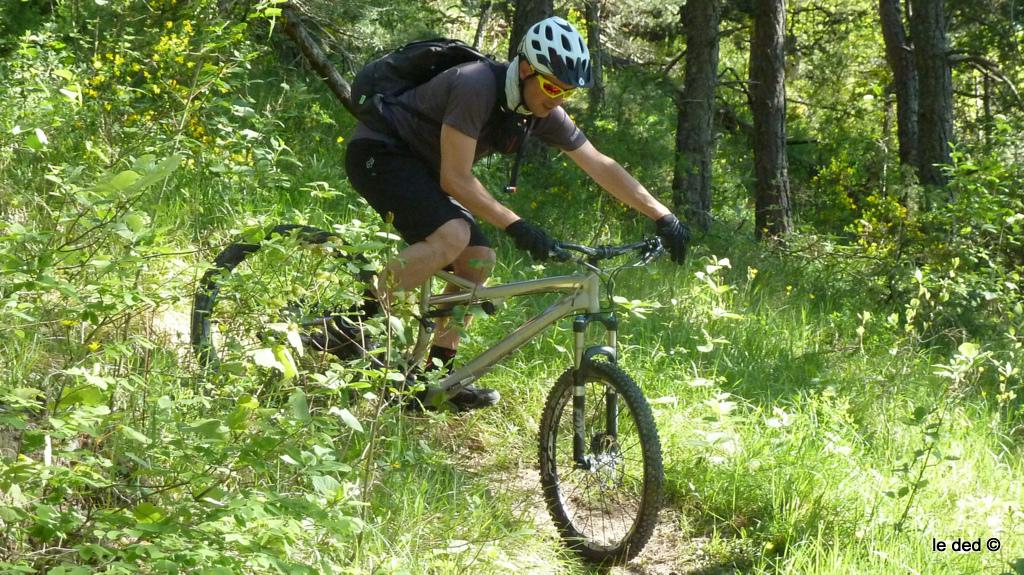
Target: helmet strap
514 100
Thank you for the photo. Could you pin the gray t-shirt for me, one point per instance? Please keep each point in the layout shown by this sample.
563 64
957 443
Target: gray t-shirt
464 97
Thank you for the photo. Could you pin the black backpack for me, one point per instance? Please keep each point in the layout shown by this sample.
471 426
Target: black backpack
381 81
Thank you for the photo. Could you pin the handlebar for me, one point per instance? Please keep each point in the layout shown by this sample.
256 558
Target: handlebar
648 250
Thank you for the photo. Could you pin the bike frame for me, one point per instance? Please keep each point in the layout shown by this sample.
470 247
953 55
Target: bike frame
582 296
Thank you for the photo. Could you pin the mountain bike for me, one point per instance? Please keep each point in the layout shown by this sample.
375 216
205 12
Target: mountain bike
600 456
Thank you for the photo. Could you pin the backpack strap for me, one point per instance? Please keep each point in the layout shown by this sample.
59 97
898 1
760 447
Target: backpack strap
499 81
510 188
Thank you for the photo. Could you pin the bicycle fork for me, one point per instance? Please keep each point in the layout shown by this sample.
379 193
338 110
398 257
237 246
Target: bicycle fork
582 356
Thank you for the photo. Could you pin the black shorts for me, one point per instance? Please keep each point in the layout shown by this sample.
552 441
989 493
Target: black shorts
404 189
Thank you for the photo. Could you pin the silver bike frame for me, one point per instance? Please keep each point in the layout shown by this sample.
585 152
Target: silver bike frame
582 295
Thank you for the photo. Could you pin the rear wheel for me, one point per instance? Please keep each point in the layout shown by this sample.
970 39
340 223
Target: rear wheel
605 504
299 291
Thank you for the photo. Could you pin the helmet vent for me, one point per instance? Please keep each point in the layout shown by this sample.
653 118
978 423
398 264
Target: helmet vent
549 33
566 44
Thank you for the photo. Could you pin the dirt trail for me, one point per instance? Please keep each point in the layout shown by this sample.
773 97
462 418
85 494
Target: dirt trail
668 552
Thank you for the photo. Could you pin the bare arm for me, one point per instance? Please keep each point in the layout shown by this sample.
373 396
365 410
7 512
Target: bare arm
616 181
458 181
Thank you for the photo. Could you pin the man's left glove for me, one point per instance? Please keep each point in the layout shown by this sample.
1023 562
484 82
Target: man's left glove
675 235
532 239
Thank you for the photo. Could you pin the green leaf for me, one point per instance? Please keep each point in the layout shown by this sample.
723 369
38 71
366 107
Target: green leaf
146 512
240 416
73 95
134 435
150 173
295 340
284 357
85 395
135 221
209 429
265 357
123 180
26 393
920 412
348 419
326 485
37 140
968 350
299 406
145 163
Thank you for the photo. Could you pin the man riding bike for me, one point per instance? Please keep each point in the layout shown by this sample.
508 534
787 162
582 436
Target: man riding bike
420 176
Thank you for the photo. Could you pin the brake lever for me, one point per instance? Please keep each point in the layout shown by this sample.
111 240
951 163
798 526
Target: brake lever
654 250
559 254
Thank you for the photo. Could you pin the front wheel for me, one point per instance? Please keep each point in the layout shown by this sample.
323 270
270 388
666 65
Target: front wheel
605 492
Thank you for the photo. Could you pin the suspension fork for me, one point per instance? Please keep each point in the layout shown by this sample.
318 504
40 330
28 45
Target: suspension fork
582 357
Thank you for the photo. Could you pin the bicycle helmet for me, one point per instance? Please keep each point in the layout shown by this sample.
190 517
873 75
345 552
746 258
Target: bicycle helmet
554 48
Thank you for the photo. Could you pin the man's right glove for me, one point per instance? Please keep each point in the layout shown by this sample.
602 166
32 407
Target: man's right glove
530 238
675 235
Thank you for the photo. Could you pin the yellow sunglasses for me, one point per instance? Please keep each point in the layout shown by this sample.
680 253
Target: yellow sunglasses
550 89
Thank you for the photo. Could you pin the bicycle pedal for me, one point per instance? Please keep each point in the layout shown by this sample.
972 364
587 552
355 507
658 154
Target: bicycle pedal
337 336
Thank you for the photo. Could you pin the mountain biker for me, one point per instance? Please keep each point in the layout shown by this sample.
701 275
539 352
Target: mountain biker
420 176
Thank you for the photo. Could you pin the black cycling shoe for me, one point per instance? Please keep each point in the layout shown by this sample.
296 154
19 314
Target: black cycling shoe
469 398
335 335
475 398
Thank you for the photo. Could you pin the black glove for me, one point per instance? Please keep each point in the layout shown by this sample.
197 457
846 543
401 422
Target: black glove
675 235
530 238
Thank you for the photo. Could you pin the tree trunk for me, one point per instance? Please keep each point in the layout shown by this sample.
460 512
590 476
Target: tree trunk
593 16
485 15
899 53
774 217
935 80
986 104
528 12
695 103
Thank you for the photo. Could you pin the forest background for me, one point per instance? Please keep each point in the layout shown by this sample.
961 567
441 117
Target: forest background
835 372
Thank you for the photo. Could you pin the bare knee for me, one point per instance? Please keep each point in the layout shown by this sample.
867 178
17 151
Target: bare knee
475 263
449 240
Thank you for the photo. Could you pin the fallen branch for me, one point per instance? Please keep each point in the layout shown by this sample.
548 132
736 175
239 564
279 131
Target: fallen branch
317 59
